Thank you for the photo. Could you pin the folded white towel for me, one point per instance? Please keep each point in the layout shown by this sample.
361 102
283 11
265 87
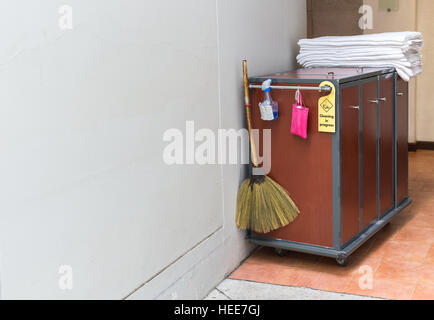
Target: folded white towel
387 38
407 62
396 49
395 36
367 56
404 72
404 47
367 50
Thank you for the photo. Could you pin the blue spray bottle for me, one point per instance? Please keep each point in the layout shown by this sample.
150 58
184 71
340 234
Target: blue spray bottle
269 108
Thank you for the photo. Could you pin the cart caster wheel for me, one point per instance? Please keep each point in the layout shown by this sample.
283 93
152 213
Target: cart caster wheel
342 260
281 252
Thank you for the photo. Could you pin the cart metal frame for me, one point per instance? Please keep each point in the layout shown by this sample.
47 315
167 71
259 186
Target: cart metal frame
340 251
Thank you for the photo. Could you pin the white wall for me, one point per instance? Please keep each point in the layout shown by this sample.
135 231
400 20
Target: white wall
404 19
425 110
83 112
413 15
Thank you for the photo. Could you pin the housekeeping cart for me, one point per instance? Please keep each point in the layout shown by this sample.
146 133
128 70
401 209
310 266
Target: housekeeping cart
349 183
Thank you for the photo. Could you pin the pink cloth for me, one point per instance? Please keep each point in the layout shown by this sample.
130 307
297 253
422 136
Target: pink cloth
299 118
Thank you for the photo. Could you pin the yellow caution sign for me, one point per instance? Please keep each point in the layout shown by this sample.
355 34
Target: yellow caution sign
327 110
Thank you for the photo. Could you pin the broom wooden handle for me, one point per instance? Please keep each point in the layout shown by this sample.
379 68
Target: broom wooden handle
248 113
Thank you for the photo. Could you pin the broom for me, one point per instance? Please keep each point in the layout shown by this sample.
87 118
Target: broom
262 204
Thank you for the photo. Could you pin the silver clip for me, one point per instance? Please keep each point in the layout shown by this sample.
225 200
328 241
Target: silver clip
297 95
297 98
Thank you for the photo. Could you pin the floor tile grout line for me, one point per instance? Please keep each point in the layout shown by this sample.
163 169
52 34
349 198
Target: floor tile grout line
315 289
223 293
414 290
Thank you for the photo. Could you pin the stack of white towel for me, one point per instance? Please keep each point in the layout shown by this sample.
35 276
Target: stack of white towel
396 49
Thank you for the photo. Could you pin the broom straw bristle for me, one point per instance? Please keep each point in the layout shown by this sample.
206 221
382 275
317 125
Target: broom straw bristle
263 206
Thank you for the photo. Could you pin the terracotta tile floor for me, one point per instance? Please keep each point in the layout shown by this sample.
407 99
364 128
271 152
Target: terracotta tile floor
400 257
